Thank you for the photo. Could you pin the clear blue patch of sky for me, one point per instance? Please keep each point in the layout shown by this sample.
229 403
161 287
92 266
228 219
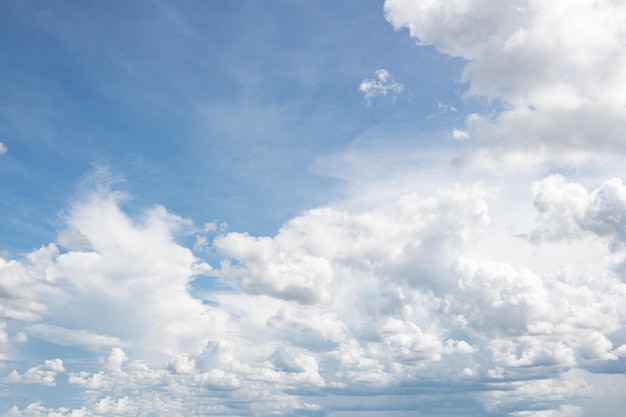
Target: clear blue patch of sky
214 109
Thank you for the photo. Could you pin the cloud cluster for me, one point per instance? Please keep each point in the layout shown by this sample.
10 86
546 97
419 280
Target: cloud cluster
42 374
556 69
388 300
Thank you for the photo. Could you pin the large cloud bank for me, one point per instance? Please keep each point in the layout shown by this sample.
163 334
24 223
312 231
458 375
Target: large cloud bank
556 68
387 301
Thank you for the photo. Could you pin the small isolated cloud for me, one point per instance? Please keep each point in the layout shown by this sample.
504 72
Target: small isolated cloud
460 135
442 109
445 108
3 148
383 84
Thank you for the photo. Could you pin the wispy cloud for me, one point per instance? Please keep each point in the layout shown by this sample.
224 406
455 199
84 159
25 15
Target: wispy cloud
382 85
68 337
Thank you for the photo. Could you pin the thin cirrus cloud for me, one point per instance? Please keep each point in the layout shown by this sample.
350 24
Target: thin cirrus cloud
383 301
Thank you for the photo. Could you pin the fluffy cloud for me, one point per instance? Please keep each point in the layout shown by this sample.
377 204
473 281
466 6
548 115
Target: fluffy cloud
459 134
324 248
383 84
399 299
569 211
557 69
22 281
42 374
3 148
134 278
381 300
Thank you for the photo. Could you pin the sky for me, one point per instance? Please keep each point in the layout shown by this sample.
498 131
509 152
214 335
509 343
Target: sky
313 208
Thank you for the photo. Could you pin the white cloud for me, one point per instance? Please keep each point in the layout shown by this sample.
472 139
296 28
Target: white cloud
557 67
383 84
460 134
69 337
138 278
119 407
21 283
3 148
569 211
4 339
394 297
42 374
306 259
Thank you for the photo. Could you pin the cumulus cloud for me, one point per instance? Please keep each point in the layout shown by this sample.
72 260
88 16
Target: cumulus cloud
420 303
23 281
42 374
138 278
3 148
378 300
298 263
126 284
383 84
568 211
556 68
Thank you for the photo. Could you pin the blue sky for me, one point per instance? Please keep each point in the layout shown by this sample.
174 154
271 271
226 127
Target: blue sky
207 109
301 207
